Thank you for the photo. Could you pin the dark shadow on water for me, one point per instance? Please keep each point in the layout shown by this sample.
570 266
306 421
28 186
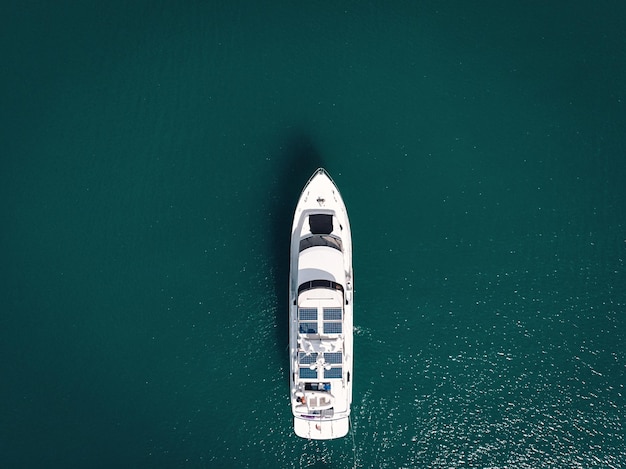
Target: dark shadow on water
297 159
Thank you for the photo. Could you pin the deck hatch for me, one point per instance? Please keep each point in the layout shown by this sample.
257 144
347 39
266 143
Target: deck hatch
321 223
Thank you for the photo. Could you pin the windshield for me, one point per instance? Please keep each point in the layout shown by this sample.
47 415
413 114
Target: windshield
321 240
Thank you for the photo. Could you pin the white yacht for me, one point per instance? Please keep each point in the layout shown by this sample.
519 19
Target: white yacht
320 312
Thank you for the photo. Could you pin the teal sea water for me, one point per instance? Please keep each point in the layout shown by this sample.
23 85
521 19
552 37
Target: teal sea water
152 154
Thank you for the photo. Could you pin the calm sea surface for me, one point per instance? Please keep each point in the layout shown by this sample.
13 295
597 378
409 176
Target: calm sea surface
151 157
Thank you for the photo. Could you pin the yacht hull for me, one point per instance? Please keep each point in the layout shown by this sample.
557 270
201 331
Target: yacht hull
321 312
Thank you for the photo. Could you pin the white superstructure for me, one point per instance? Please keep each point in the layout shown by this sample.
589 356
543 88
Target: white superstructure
320 312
